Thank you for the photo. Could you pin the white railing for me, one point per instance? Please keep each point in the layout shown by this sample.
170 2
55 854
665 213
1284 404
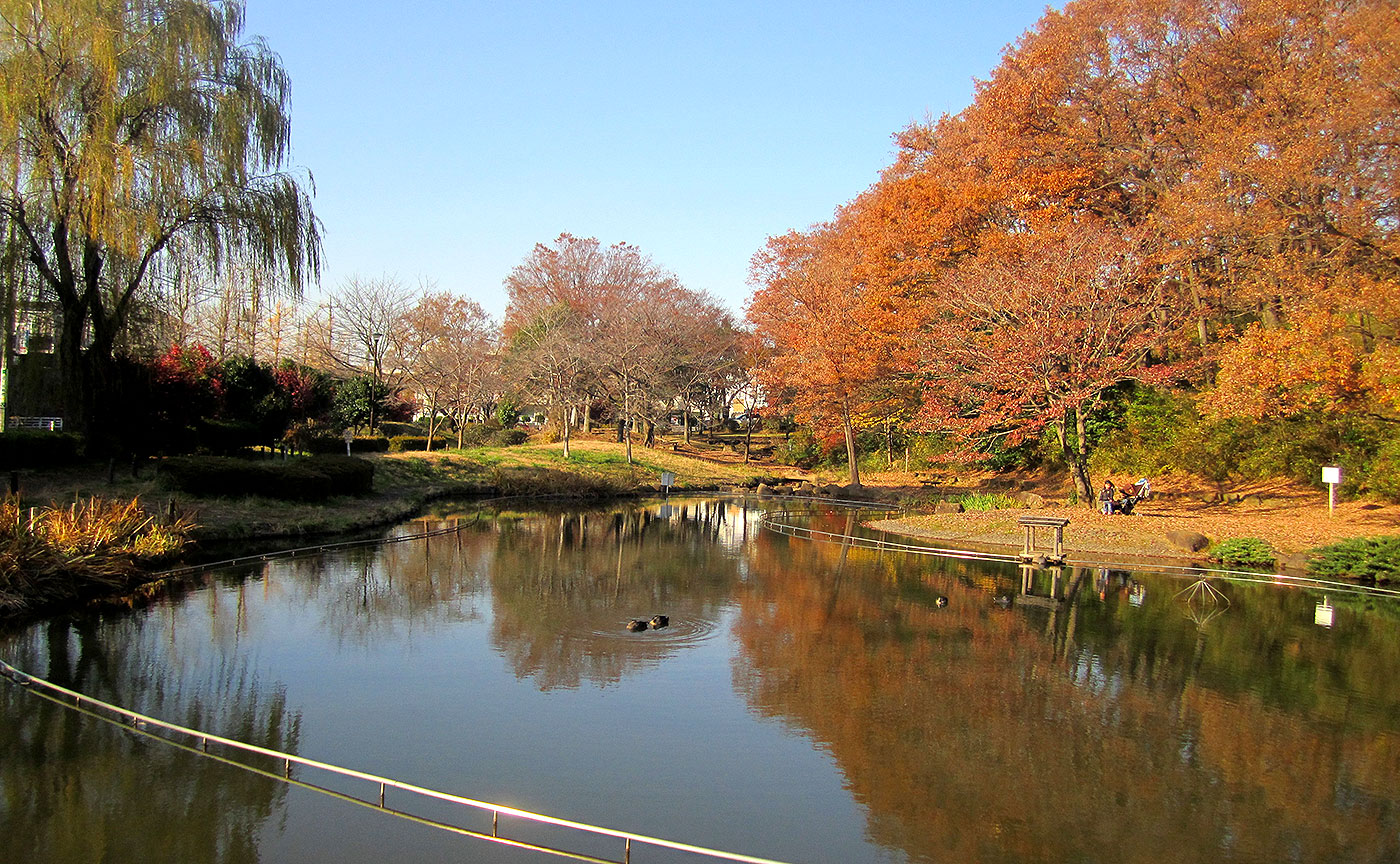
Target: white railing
144 725
52 424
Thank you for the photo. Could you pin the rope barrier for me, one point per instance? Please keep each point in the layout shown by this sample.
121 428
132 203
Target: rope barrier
142 724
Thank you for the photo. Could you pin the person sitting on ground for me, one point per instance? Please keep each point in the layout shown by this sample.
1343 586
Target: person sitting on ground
1106 496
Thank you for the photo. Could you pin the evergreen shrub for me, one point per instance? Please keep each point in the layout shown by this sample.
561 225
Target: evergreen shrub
38 449
475 434
307 479
1243 552
410 443
507 437
329 446
1375 558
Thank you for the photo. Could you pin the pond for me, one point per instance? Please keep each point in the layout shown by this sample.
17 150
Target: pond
808 702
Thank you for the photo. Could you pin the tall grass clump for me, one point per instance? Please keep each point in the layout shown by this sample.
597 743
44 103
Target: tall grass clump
55 555
975 501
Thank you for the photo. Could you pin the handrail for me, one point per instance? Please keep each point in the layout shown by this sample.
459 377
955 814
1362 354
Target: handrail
85 703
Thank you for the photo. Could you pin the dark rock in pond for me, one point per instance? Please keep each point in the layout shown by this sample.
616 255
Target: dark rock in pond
636 625
659 621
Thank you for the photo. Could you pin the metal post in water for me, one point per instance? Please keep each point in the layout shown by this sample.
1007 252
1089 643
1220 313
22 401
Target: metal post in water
627 852
495 817
381 796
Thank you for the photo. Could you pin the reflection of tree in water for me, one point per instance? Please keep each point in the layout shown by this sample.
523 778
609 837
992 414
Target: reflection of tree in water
78 789
399 587
564 586
976 734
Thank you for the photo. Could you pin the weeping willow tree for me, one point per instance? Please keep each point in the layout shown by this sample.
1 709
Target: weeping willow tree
138 136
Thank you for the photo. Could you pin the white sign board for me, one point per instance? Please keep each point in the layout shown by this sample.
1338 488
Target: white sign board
668 479
1331 474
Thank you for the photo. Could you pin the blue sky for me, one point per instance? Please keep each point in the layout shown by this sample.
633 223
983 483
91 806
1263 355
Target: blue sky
446 139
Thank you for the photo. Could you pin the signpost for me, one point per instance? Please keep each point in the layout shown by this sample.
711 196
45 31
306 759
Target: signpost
1331 475
668 479
349 436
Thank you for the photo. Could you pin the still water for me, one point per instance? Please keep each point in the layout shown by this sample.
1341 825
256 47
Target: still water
809 702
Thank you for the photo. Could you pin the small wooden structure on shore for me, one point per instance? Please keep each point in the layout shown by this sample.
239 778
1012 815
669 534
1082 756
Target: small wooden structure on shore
1029 551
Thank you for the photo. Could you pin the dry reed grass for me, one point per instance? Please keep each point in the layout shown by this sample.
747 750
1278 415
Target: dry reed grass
53 555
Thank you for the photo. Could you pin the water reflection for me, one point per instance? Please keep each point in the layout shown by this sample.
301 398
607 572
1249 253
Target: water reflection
1077 724
564 586
77 789
810 701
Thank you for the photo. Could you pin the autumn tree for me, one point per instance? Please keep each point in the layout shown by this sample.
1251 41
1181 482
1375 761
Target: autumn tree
544 359
135 130
1030 335
832 338
584 319
448 351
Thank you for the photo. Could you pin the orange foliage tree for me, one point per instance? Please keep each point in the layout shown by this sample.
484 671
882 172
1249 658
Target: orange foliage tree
1250 146
831 339
1030 335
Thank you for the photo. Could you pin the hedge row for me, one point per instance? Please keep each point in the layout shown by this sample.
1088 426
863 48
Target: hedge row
405 443
309 479
38 449
360 444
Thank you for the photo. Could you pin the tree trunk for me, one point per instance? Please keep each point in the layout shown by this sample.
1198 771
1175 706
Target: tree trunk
564 422
1077 458
748 434
433 423
627 418
851 461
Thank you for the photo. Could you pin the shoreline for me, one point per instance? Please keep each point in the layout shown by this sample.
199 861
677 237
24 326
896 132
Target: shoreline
1293 520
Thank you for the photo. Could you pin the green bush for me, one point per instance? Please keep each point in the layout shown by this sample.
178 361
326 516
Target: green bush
801 450
1243 552
306 479
1375 558
392 430
507 437
409 443
328 446
224 437
38 449
474 434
